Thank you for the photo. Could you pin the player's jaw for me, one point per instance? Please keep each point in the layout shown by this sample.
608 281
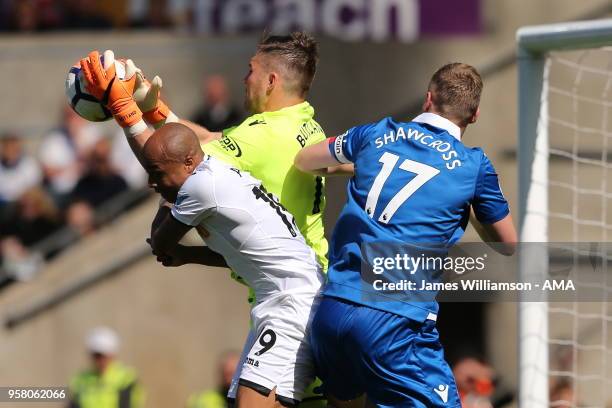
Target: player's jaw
255 84
252 102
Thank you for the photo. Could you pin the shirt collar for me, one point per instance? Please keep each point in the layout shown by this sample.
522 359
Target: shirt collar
439 122
299 107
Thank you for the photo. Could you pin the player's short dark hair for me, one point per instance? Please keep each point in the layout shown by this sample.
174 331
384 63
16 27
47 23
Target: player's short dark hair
299 54
456 90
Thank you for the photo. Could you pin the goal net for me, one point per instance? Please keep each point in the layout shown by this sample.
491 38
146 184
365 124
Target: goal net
565 183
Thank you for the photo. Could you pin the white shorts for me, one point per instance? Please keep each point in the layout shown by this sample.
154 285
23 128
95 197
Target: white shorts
277 353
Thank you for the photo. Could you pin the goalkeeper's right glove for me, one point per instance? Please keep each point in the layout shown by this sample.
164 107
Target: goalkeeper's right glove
114 93
146 95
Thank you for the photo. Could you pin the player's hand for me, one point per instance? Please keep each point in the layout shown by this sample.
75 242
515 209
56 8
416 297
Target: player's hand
172 259
115 94
147 96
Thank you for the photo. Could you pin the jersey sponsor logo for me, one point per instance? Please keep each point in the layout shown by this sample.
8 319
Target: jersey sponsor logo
253 362
442 391
236 171
257 122
448 154
230 145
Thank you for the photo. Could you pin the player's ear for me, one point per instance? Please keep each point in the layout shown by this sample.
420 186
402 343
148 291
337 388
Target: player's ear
189 163
475 116
428 102
272 81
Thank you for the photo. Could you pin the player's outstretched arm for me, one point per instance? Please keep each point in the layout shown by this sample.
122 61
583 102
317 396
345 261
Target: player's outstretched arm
501 232
116 94
155 112
205 135
317 159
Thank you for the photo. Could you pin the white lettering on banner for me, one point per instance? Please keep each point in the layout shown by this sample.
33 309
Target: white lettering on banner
354 28
203 11
294 14
351 20
406 20
239 15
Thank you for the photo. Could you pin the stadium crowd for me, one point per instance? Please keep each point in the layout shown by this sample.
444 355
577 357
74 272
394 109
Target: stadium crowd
75 170
51 15
62 184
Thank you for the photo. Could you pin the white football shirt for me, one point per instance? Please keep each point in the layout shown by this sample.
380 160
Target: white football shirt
248 226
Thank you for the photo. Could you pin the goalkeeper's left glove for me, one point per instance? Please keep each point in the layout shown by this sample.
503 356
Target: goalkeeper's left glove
114 93
147 96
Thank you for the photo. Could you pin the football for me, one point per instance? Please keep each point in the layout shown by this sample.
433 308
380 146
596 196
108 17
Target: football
84 104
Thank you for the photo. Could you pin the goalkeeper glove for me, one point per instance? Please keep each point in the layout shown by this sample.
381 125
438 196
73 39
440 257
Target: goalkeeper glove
114 93
146 95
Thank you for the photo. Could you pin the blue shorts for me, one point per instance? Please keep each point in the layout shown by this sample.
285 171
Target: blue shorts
396 361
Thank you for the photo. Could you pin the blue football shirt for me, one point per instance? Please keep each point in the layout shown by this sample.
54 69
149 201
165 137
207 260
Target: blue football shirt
414 183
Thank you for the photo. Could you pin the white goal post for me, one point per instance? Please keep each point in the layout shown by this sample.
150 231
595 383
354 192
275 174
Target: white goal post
534 47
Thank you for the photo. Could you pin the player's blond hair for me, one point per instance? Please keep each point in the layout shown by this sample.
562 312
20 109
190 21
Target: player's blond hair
297 52
456 90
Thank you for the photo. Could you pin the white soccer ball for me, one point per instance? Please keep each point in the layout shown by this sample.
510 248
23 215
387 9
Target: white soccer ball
84 104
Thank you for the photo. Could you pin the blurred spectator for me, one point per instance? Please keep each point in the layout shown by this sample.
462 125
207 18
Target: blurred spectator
217 398
34 217
18 170
17 262
80 217
108 383
128 166
475 382
50 15
24 16
218 112
562 394
159 13
62 152
101 181
86 15
156 16
42 15
33 15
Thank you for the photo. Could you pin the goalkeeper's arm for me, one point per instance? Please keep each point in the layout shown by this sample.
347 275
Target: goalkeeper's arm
117 95
157 113
205 135
133 101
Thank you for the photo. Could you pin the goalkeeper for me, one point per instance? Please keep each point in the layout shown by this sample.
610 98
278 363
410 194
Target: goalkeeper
265 144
